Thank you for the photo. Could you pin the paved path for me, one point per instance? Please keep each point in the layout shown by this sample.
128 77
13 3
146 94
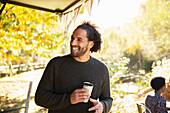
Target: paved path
34 76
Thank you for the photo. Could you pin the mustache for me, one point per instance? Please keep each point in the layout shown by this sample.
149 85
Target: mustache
75 46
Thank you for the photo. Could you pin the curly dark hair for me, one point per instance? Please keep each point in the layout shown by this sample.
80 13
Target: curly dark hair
92 35
157 83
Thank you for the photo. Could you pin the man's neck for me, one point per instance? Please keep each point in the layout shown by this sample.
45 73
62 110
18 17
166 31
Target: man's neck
82 58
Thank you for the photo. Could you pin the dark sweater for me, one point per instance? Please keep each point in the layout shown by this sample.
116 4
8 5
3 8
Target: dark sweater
63 75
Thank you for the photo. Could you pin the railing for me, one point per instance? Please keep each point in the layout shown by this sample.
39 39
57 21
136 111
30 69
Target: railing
15 69
18 89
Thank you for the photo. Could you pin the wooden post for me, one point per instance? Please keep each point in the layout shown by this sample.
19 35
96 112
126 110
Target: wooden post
10 70
139 108
28 97
2 8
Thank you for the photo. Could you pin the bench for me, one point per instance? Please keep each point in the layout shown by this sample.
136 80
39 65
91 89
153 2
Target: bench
142 108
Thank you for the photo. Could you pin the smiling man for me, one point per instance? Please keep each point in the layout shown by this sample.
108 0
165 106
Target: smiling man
61 86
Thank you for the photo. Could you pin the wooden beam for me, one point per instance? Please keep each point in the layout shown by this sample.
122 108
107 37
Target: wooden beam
2 8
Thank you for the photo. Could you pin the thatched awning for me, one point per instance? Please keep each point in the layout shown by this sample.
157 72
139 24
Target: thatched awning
62 7
55 6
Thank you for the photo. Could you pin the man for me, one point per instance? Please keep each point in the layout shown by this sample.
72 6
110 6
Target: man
157 103
60 88
166 94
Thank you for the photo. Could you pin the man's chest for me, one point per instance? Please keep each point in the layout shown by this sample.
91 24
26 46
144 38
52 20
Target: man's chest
70 78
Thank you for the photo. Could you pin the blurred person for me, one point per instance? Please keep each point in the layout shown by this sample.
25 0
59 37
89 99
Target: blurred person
60 88
157 103
166 94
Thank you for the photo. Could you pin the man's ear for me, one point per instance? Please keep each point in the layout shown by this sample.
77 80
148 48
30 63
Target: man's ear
91 44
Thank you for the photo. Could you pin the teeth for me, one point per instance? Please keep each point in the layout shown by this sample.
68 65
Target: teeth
75 48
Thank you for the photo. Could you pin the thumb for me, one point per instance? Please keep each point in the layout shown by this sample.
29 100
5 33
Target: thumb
93 101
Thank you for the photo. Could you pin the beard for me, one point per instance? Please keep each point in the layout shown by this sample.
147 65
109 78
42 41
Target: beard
81 51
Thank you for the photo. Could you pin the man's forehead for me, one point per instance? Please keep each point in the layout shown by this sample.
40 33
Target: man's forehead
79 33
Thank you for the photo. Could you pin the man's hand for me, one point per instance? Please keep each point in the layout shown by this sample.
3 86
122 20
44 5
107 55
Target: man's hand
98 106
140 94
79 95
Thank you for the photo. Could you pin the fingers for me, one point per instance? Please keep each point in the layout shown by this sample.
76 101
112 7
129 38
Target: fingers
79 95
82 90
97 106
94 108
93 101
82 93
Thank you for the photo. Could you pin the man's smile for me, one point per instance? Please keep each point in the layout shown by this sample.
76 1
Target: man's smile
75 48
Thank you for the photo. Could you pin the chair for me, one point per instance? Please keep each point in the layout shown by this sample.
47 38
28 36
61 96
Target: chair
26 102
142 108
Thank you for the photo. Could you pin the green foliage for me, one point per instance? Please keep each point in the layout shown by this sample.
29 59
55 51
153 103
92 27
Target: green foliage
117 69
118 66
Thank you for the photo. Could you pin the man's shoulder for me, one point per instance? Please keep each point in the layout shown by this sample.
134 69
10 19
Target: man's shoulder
99 62
162 98
151 99
60 58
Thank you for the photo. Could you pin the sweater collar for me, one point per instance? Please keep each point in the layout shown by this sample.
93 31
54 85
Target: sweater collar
87 62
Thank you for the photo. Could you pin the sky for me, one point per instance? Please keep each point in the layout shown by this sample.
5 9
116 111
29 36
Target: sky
113 13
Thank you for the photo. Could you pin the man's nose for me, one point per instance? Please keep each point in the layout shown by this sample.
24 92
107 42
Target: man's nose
74 42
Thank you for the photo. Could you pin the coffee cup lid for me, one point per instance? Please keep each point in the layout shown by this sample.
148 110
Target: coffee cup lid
88 83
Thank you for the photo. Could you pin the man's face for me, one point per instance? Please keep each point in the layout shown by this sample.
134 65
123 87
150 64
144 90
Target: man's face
79 43
163 89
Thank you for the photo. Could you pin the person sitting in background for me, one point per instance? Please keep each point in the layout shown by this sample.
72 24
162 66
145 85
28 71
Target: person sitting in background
157 103
166 94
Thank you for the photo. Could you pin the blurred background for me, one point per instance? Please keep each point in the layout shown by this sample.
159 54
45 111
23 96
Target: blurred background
136 46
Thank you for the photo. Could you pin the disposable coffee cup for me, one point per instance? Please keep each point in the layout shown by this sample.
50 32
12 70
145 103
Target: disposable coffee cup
89 86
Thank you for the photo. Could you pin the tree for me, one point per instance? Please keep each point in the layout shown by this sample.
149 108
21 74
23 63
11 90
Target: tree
145 39
152 30
28 30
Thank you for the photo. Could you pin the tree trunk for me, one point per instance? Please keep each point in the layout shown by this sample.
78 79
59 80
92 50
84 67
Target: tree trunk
66 37
65 44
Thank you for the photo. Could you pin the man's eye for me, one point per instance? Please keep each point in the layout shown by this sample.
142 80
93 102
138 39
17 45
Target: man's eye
80 40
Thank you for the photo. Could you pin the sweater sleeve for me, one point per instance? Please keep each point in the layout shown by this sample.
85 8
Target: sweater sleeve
105 97
45 95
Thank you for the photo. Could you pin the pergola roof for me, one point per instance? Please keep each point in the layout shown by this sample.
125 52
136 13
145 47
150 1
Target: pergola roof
55 6
64 8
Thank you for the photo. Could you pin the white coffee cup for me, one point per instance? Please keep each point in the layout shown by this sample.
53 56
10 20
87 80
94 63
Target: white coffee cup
89 86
